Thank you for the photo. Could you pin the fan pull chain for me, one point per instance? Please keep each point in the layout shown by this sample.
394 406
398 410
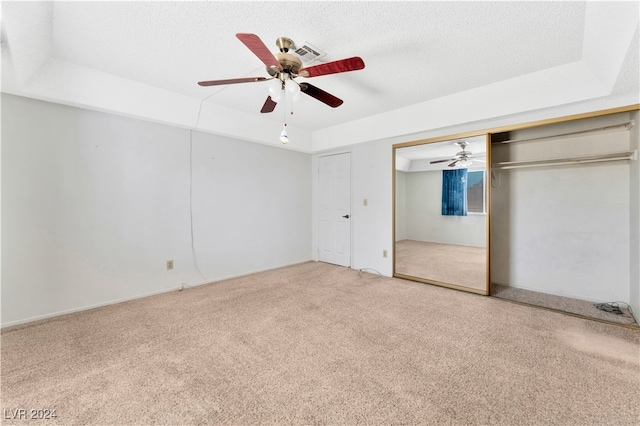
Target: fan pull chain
284 106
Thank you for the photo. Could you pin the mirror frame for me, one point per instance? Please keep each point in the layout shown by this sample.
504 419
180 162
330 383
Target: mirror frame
487 288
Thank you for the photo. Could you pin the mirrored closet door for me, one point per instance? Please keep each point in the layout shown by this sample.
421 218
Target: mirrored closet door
441 212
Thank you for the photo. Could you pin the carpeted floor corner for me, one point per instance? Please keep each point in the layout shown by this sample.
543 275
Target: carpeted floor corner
320 344
564 304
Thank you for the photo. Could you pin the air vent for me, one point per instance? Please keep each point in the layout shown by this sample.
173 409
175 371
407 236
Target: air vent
308 53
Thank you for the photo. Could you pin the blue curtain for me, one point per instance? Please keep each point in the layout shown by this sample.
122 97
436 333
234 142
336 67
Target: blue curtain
454 192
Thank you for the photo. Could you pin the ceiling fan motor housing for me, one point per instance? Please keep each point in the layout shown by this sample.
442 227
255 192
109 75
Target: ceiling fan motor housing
290 64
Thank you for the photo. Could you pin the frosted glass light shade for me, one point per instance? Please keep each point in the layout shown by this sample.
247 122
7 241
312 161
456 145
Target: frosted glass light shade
275 90
293 89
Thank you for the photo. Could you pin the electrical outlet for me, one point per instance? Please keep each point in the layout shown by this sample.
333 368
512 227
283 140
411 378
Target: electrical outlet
169 265
384 253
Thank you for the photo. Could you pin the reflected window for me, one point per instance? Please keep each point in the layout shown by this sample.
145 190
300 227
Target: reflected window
476 192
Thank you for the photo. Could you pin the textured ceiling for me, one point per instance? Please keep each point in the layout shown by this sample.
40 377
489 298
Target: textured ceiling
414 52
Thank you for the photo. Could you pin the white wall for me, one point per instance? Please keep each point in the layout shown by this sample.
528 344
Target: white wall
424 219
94 204
564 229
372 179
252 206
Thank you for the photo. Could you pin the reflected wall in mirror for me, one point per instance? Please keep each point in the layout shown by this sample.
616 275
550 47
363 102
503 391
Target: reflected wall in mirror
441 210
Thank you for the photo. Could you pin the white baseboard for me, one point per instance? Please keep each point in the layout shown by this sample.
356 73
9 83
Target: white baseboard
85 308
140 296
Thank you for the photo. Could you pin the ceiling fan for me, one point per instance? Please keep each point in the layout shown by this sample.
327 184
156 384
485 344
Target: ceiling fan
285 67
463 158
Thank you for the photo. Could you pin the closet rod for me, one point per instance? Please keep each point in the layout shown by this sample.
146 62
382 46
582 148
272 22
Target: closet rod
628 125
618 156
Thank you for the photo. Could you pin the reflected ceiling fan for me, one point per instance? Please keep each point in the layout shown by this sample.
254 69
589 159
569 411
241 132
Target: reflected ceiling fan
463 158
285 67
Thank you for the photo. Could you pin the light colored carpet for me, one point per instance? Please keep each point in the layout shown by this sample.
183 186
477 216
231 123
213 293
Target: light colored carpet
566 304
321 344
447 263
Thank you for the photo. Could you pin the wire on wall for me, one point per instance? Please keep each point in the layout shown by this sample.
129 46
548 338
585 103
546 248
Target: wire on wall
371 273
614 308
193 248
495 179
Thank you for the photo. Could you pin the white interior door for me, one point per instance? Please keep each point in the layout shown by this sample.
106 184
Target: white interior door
334 189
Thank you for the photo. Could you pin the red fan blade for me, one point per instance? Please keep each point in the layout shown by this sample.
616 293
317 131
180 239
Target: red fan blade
269 105
232 81
258 48
343 65
320 95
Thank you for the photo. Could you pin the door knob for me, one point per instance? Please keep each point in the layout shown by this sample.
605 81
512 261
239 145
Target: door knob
346 216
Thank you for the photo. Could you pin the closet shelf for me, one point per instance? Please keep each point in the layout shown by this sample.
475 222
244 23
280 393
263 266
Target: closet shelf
627 126
617 156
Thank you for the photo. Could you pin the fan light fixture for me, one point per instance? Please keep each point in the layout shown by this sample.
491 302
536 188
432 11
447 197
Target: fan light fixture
464 163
